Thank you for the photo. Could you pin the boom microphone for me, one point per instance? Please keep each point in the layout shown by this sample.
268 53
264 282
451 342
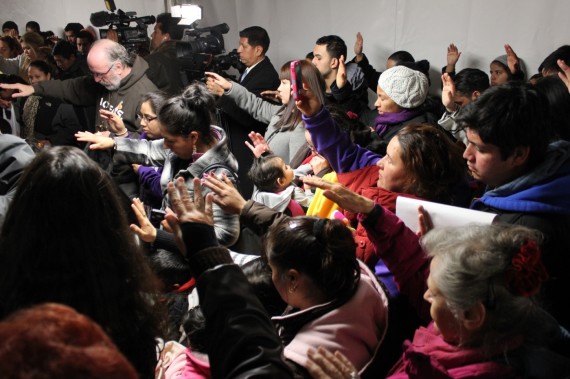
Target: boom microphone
100 19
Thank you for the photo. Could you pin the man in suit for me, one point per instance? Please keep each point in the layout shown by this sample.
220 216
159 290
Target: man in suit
259 76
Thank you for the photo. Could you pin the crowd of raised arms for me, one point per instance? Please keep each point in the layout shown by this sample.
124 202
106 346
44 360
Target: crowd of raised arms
154 226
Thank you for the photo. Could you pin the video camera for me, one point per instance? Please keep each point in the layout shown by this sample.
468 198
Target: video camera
133 38
201 50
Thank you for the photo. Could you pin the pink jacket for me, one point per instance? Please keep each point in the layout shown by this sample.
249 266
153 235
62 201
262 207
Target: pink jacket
429 356
356 328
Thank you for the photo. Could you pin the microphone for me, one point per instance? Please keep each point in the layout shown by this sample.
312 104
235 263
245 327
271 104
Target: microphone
148 20
100 19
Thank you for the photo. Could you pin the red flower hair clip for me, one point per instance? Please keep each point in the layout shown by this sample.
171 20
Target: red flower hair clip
527 272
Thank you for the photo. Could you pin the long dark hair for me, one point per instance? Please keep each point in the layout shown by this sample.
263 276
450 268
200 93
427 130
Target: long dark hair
290 115
188 112
65 239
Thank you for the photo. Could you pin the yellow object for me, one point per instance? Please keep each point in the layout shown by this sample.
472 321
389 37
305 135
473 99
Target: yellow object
320 205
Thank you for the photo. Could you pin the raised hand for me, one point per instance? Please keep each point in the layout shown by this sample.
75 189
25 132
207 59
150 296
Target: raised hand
225 194
341 73
341 195
259 145
512 59
217 84
145 230
448 93
565 74
115 122
453 55
424 221
97 141
186 209
358 47
308 103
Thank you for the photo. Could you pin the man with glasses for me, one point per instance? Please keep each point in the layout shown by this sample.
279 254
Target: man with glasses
117 84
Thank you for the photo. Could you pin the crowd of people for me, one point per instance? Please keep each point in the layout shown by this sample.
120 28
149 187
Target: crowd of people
247 227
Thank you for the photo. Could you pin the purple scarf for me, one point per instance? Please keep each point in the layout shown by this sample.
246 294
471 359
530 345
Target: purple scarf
383 121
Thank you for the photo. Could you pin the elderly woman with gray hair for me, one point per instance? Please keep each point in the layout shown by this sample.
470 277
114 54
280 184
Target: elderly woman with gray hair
481 284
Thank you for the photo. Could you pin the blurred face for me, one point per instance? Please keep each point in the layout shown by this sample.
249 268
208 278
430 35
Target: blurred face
485 163
6 94
64 63
498 74
310 142
182 146
5 51
157 37
284 90
29 51
384 104
390 63
83 45
249 55
149 122
10 32
70 36
392 173
443 319
36 75
323 61
462 100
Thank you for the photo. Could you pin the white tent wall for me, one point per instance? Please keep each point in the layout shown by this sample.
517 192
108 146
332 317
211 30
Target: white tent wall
425 28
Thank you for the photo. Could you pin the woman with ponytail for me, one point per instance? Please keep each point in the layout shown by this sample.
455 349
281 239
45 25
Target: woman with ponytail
191 147
333 299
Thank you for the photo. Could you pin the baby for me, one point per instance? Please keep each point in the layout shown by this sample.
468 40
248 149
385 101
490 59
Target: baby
273 179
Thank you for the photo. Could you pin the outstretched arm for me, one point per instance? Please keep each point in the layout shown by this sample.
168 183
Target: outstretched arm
23 90
342 154
243 341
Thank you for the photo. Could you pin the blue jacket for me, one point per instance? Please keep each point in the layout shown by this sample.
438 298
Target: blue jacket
540 200
543 190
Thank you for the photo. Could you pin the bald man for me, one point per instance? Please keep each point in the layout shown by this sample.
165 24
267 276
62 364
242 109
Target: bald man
117 83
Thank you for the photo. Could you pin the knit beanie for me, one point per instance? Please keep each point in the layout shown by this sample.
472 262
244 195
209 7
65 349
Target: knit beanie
502 59
406 87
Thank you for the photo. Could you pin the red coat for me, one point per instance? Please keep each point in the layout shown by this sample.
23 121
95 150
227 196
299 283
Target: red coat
364 182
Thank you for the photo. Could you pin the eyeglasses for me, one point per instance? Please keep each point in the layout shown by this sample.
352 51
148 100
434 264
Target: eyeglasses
100 75
146 118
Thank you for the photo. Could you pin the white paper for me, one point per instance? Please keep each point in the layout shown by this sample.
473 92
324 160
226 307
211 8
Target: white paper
441 215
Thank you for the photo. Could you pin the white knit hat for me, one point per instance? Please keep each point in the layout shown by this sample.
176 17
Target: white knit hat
408 88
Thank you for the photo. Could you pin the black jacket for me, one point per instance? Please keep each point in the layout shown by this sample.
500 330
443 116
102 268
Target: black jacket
242 341
164 68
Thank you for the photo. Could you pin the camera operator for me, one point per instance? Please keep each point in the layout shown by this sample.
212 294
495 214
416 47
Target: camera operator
164 68
117 84
259 76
